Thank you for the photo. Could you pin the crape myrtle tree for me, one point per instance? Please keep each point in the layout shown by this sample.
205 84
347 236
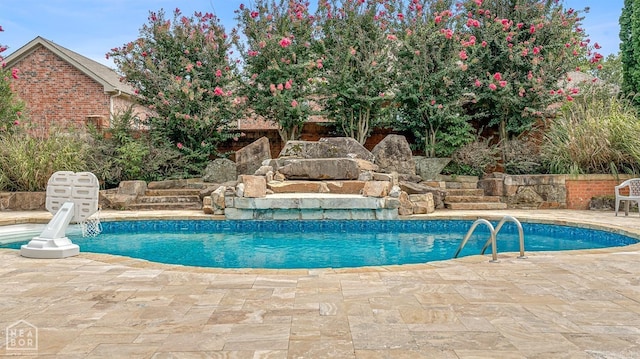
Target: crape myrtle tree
359 63
279 62
514 53
182 70
431 85
10 106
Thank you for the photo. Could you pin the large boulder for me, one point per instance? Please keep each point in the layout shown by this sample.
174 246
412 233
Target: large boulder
132 188
346 147
303 149
250 157
393 154
254 186
321 169
418 188
328 147
220 170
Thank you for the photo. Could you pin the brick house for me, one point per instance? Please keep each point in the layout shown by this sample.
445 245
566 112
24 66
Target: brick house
65 89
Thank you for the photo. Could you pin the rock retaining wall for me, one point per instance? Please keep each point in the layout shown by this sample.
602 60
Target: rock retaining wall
549 191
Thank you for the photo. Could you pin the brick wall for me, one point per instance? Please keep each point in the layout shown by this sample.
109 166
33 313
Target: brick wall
581 189
57 93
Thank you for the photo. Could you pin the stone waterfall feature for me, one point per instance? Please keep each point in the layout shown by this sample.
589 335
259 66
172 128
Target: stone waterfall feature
332 178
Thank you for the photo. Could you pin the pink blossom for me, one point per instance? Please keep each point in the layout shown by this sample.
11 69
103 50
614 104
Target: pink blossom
597 46
262 44
497 76
433 102
199 63
400 17
272 88
569 98
484 43
218 73
478 2
477 83
1 29
352 51
254 14
503 83
294 103
438 19
252 53
280 87
16 123
14 73
463 55
285 42
179 145
532 29
287 85
536 50
493 86
448 33
392 37
218 91
529 75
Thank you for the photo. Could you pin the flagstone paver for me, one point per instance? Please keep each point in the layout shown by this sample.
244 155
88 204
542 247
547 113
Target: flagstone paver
581 304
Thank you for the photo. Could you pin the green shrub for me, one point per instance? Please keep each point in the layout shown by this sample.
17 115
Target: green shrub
521 156
473 159
596 133
28 160
128 152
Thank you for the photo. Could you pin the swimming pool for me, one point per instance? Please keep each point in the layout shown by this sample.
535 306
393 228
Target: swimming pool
323 243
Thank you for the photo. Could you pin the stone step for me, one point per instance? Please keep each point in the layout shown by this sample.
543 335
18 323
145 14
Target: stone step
312 206
461 185
172 192
169 199
313 201
165 206
465 192
479 206
471 199
301 186
448 178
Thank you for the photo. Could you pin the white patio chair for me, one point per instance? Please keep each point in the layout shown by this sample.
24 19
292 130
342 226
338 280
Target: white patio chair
634 194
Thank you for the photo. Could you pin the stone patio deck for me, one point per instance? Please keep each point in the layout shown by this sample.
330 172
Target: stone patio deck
581 304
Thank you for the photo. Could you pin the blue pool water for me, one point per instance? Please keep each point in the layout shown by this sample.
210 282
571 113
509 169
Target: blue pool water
320 244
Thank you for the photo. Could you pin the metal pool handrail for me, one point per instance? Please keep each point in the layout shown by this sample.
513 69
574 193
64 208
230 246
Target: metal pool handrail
520 234
492 236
